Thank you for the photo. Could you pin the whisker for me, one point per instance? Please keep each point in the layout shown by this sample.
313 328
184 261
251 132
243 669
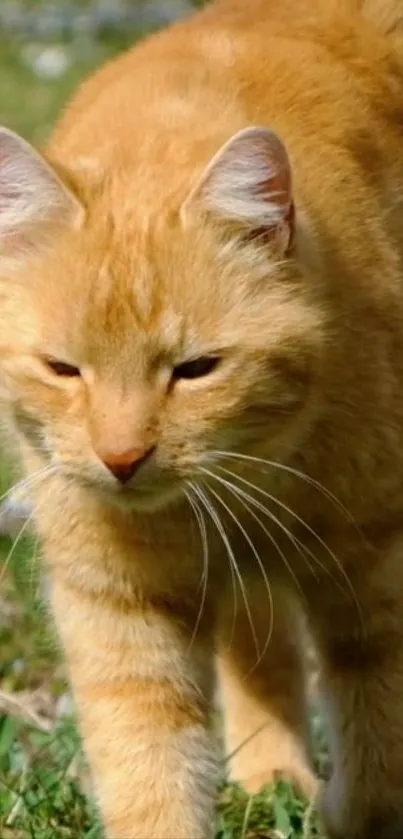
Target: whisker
198 491
16 541
38 476
302 549
26 483
221 530
261 567
204 577
307 527
244 498
32 564
243 743
272 464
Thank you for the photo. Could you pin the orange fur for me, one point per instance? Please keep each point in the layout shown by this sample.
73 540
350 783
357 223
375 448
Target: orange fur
229 189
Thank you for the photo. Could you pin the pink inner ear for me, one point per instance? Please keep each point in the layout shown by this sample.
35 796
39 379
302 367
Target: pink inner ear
284 235
249 182
289 228
9 194
279 185
31 194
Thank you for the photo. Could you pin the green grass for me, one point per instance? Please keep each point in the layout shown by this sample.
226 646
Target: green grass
43 777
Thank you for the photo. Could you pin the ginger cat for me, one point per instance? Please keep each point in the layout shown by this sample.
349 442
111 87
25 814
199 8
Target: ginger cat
201 358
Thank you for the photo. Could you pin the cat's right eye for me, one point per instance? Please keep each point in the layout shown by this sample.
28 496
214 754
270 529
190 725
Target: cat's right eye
196 368
61 368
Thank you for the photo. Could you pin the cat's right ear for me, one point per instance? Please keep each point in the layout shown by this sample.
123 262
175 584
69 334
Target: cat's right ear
33 197
248 186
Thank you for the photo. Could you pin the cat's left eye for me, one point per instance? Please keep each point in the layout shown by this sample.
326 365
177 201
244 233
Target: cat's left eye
61 368
197 368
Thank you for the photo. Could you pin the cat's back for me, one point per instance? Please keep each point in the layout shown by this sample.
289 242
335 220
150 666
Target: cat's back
311 69
327 75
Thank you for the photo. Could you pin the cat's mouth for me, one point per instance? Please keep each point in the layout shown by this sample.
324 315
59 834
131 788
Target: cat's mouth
143 496
145 499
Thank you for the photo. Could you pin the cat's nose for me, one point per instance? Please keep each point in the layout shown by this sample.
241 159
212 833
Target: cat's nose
124 465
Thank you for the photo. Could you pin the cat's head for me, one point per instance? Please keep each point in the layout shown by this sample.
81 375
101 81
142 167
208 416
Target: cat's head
137 347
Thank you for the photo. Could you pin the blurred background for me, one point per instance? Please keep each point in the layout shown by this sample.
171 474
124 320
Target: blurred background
46 47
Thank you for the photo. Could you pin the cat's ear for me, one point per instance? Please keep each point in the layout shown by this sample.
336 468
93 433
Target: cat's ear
32 196
249 183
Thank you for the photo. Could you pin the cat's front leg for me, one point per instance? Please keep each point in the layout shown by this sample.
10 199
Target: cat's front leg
144 697
264 692
362 654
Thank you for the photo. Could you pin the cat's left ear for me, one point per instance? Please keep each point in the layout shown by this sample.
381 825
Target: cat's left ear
33 196
248 183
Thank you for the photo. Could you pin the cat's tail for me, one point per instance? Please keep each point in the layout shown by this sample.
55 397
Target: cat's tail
387 15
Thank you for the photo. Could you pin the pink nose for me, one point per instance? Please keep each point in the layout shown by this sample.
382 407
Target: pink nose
124 465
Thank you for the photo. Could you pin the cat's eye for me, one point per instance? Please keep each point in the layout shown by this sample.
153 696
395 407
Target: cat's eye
197 368
61 368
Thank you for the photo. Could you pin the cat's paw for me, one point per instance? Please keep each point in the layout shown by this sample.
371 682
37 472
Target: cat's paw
304 781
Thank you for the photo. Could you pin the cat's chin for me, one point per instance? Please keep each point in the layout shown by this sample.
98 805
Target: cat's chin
145 501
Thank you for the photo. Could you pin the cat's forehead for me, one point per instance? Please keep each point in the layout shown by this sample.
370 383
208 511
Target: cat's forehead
160 278
127 302
120 290
148 301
